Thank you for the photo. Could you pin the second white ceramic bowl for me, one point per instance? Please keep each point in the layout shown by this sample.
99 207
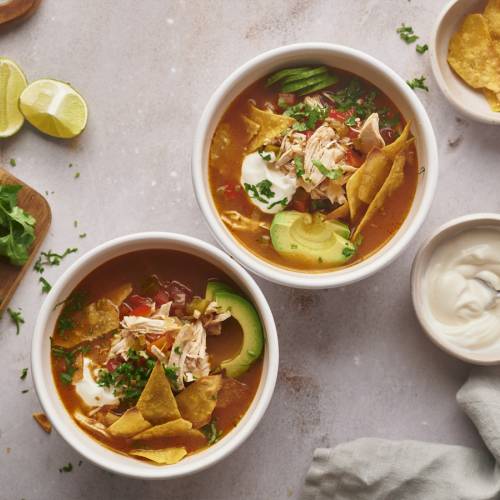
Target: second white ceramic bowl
366 67
61 419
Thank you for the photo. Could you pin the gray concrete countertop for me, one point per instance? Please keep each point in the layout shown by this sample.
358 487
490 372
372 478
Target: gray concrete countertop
354 361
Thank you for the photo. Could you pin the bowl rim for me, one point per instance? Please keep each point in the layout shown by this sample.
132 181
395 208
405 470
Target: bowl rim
419 268
272 272
468 112
199 461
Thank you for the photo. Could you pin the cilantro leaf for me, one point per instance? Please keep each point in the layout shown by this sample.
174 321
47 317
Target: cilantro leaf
418 83
406 34
422 48
333 174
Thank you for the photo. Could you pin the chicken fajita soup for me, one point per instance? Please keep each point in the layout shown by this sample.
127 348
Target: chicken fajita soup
313 168
157 355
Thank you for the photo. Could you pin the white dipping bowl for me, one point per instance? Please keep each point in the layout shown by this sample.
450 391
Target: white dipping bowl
45 387
418 273
467 101
366 67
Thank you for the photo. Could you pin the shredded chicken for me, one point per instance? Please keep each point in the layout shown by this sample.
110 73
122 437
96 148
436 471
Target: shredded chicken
143 325
293 145
313 101
369 135
241 223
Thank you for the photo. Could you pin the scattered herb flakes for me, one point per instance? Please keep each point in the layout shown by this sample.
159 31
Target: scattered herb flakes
418 83
69 358
265 155
46 286
407 34
17 319
24 373
348 252
178 350
299 166
75 223
211 432
66 468
283 202
12 162
421 49
70 165
50 258
77 175
24 391
82 235
307 116
333 174
17 227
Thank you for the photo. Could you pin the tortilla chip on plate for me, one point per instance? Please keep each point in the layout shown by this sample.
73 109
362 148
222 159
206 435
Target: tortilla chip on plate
493 100
393 181
95 320
173 428
129 424
472 54
157 402
271 125
166 456
197 402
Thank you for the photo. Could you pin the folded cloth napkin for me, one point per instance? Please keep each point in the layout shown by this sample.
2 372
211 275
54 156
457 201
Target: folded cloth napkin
379 469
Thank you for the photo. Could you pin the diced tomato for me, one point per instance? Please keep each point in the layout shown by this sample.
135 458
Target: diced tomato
341 116
113 364
125 310
354 158
308 134
286 100
352 133
139 306
163 342
232 191
161 297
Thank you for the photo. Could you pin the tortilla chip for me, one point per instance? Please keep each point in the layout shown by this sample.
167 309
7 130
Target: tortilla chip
493 100
472 55
197 402
492 16
43 422
341 212
271 125
394 148
119 294
169 429
157 403
231 392
393 181
251 128
166 456
129 424
96 319
220 141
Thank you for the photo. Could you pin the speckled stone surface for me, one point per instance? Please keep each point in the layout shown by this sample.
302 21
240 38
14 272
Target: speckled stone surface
354 361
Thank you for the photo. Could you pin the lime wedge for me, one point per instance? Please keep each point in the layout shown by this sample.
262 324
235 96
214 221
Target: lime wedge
12 84
54 108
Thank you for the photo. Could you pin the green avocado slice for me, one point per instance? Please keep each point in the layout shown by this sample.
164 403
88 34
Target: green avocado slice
213 287
311 239
253 335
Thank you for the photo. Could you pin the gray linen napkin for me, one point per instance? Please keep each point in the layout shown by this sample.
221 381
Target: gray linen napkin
379 469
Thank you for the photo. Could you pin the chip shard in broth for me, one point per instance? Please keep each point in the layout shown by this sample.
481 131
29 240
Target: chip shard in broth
129 424
166 456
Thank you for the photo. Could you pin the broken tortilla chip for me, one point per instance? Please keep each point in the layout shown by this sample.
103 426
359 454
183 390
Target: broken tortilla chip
95 320
197 402
166 456
492 16
271 125
220 141
393 181
394 148
43 422
341 212
177 427
157 403
129 424
472 54
251 128
493 100
119 294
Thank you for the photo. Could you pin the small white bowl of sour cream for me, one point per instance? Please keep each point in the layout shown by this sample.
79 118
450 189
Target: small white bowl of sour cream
454 277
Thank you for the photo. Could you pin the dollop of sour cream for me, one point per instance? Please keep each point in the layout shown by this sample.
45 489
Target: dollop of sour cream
90 392
254 170
459 306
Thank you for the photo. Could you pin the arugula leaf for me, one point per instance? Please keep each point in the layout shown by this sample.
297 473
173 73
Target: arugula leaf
17 227
330 174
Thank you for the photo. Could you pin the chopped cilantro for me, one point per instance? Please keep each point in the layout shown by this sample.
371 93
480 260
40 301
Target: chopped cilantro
261 191
351 121
171 373
264 188
75 223
51 258
77 175
12 162
283 202
406 34
307 116
333 174
82 235
293 246
66 468
46 286
265 155
69 358
17 319
211 432
418 83
355 98
178 350
348 252
299 166
24 372
24 391
421 49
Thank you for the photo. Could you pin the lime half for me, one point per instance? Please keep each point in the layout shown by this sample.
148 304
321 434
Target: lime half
54 108
12 84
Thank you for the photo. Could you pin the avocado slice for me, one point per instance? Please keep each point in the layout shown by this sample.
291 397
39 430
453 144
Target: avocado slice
213 287
311 239
253 335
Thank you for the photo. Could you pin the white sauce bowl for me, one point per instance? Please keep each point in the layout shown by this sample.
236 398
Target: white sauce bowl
418 276
366 67
45 387
466 100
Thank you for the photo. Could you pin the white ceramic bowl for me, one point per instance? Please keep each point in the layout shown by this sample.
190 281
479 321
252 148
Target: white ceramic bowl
467 101
419 269
344 58
53 406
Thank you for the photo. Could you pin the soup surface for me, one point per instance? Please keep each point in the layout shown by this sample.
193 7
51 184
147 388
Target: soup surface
313 168
157 355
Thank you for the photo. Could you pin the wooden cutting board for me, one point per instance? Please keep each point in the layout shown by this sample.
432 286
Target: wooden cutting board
35 204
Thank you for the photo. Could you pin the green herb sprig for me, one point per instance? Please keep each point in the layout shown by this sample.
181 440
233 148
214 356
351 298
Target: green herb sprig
418 83
17 318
